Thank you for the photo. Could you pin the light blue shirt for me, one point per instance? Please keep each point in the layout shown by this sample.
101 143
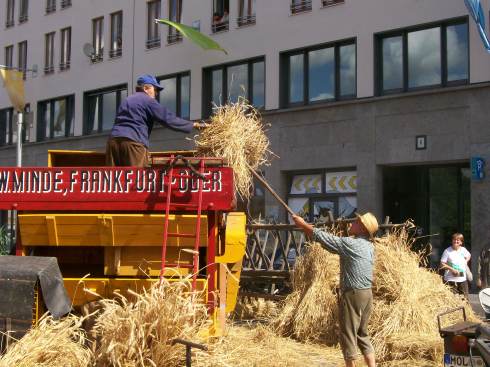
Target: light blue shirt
356 258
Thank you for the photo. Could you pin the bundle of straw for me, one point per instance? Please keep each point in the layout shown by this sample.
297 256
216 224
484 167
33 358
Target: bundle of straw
236 133
407 299
140 333
51 343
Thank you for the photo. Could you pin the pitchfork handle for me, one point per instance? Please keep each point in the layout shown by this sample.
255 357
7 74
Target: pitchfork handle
271 190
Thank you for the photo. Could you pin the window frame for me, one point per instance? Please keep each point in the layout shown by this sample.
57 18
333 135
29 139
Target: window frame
207 81
323 195
284 92
49 52
50 6
98 35
23 11
8 127
99 93
178 91
10 13
403 33
9 56
65 49
173 35
153 34
22 57
249 18
69 118
116 21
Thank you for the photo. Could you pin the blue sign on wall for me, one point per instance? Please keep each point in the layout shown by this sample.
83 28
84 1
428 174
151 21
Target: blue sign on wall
477 171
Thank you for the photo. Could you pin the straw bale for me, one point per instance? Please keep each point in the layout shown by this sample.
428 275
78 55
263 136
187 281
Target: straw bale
52 343
407 299
254 308
140 332
236 133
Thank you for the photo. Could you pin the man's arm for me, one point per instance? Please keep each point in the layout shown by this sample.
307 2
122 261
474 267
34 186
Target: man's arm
167 118
328 241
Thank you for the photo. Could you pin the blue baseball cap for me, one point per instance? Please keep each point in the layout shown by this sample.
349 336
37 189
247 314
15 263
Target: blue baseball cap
148 79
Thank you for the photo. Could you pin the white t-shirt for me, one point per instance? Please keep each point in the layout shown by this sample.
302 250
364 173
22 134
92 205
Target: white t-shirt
456 259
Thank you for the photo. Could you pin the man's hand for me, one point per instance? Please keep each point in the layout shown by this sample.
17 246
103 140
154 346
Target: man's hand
299 221
200 125
455 272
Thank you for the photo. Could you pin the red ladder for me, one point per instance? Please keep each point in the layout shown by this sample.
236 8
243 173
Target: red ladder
197 235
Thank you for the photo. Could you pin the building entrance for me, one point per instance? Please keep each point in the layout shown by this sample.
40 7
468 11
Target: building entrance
437 198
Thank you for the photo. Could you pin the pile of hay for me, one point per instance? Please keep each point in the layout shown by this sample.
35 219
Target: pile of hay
52 343
140 333
255 308
236 133
407 299
245 346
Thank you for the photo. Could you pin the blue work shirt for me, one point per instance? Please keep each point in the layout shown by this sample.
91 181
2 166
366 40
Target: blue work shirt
356 258
136 115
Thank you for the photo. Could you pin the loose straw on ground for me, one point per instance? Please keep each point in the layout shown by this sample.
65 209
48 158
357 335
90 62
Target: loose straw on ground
407 299
51 343
236 133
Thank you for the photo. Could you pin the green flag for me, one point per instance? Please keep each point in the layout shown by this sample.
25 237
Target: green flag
195 36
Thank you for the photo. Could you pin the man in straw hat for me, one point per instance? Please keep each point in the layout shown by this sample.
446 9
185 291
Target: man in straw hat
129 139
356 276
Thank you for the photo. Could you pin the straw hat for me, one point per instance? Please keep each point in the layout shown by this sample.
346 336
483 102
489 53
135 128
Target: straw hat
369 221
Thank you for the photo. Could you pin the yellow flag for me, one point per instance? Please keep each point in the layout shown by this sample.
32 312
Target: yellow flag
13 80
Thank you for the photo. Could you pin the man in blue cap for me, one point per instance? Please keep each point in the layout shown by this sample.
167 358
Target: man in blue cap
129 139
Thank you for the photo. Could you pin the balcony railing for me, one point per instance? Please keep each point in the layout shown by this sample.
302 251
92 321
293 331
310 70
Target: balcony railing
245 20
153 43
23 18
65 4
64 65
326 3
51 8
174 38
117 52
49 69
97 57
300 6
9 23
220 26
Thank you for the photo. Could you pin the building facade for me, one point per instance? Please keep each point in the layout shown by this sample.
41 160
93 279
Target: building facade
373 105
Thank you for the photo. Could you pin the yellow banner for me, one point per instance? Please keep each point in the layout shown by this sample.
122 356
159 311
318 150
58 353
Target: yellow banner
13 81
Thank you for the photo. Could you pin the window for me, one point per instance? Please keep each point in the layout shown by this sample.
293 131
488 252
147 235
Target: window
6 126
318 74
65 4
116 34
9 20
153 30
221 11
423 57
22 57
98 39
65 49
176 94
326 3
56 118
9 56
316 195
50 6
49 53
101 107
175 15
246 13
300 6
23 11
226 83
